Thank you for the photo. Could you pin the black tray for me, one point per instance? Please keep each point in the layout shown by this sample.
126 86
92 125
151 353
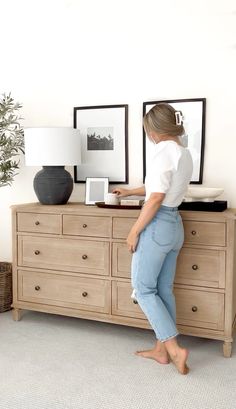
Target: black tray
216 206
108 206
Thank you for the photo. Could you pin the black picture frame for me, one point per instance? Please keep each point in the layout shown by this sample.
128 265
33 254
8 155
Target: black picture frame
194 112
104 142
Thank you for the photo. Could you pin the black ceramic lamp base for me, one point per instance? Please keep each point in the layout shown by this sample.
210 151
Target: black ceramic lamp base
53 185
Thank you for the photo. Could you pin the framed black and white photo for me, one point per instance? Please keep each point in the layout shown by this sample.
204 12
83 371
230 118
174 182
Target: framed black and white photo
194 113
95 190
104 142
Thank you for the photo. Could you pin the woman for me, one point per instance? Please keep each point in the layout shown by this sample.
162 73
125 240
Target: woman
157 236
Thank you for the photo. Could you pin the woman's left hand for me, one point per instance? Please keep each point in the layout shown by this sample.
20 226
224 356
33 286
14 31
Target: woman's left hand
132 240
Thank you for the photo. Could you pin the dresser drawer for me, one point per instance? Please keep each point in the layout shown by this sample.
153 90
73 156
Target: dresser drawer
66 291
82 256
87 226
200 308
121 226
207 233
121 260
122 303
201 267
38 222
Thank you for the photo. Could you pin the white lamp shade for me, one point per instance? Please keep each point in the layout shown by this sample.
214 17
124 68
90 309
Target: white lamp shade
52 146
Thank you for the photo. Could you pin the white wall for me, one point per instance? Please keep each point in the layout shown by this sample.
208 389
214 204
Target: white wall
57 54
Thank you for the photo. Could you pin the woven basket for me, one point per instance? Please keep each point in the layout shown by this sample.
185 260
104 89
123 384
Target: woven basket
5 286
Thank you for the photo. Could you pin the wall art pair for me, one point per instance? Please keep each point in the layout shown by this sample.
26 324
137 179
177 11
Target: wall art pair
104 139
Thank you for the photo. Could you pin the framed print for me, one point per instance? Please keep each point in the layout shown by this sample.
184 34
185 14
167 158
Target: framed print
104 142
194 113
95 190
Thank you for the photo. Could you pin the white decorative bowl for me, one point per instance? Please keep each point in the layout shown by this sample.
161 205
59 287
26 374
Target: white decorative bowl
202 194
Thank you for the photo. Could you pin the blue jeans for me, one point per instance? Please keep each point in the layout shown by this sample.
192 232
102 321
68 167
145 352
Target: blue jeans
153 270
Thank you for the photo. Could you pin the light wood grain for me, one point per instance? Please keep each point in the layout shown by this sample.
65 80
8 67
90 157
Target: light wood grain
201 267
122 303
64 254
75 292
121 260
206 233
200 309
122 226
87 226
205 295
39 223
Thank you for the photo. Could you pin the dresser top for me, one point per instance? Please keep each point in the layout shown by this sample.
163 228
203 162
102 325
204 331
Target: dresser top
74 208
81 208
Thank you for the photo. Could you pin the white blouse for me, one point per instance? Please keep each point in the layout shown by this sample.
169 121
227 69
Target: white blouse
169 172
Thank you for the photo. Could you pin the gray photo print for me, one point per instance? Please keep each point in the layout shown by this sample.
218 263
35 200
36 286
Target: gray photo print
100 139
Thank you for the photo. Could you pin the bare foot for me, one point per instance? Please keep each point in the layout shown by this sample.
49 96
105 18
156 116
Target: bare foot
158 355
179 360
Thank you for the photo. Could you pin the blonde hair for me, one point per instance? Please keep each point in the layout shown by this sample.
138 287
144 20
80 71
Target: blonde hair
162 119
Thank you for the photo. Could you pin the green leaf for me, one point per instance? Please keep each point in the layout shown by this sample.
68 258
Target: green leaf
11 138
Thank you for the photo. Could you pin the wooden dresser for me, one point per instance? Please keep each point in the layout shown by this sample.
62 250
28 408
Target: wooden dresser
73 260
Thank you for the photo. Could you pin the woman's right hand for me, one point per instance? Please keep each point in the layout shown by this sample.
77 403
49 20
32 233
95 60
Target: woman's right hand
121 192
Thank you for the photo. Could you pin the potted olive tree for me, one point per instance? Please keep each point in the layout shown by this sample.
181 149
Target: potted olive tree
11 139
11 145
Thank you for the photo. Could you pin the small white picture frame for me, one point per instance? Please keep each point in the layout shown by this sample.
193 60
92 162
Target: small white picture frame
95 190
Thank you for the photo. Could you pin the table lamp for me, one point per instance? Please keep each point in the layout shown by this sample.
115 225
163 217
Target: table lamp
53 149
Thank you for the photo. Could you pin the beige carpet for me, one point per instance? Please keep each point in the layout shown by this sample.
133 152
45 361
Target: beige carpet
53 362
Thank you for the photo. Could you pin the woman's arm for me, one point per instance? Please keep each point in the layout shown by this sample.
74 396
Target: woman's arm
147 213
121 192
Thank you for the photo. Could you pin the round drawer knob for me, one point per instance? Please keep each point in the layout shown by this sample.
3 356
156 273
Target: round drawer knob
84 294
193 232
194 308
37 222
84 256
135 301
195 267
85 225
37 288
37 252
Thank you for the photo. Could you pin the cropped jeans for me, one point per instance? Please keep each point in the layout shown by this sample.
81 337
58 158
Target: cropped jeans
153 270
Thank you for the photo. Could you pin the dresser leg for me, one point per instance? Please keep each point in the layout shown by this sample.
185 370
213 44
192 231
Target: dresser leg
227 349
16 314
